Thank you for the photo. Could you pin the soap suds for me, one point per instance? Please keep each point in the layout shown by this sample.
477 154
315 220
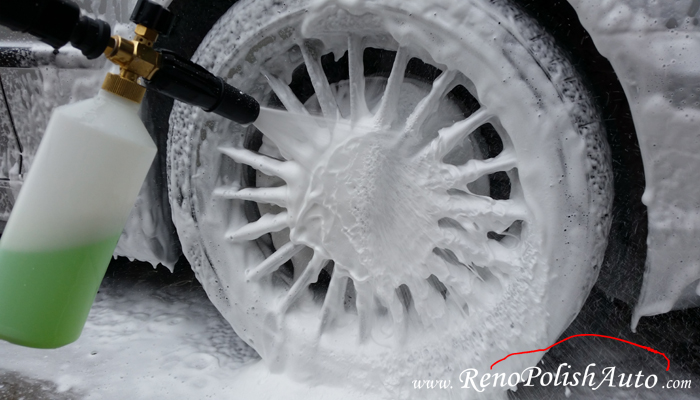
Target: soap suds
661 85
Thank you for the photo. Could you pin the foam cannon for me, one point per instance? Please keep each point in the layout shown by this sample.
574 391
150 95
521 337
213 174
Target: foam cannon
89 167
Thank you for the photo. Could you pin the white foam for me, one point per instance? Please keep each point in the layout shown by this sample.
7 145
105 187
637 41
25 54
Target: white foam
661 85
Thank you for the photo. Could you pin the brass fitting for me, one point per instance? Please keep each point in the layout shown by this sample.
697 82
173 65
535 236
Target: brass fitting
145 35
136 59
133 56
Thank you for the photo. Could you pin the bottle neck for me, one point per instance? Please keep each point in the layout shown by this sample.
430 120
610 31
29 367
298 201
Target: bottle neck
124 87
108 96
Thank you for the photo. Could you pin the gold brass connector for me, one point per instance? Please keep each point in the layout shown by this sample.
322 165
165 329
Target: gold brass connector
136 59
133 56
145 35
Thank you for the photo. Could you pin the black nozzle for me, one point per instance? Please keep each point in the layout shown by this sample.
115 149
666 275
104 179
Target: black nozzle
190 83
91 36
52 21
154 16
56 22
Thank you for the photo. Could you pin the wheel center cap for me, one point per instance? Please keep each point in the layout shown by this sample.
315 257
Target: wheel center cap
367 207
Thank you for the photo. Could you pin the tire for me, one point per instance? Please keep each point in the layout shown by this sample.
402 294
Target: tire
445 218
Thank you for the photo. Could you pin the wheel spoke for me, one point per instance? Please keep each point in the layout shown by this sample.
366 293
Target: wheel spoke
430 102
392 302
466 254
489 253
266 165
386 114
284 93
309 276
484 209
272 263
490 214
456 298
427 302
298 137
516 187
333 304
268 195
475 169
455 273
268 223
358 103
365 309
451 136
319 81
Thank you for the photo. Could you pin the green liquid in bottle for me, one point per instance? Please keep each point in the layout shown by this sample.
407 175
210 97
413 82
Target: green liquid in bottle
45 297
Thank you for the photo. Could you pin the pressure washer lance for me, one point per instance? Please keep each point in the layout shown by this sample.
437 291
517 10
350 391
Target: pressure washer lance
89 167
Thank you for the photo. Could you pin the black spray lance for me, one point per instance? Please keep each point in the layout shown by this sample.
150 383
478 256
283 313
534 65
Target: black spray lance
89 167
58 22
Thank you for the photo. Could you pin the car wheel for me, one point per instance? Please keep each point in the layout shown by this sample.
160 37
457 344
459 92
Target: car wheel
452 205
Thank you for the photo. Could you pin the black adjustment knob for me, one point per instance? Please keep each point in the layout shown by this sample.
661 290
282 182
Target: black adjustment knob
153 16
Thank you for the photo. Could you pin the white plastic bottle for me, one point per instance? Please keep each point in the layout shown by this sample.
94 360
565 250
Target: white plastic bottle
70 213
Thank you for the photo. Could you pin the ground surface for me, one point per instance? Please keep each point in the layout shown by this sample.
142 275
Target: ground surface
153 334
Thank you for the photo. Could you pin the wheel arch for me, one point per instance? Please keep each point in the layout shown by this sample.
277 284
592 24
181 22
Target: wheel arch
653 48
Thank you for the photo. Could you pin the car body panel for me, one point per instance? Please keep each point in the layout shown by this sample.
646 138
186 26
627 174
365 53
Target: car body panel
654 47
10 160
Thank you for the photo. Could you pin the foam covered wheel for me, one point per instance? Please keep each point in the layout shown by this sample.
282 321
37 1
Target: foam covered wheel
451 207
